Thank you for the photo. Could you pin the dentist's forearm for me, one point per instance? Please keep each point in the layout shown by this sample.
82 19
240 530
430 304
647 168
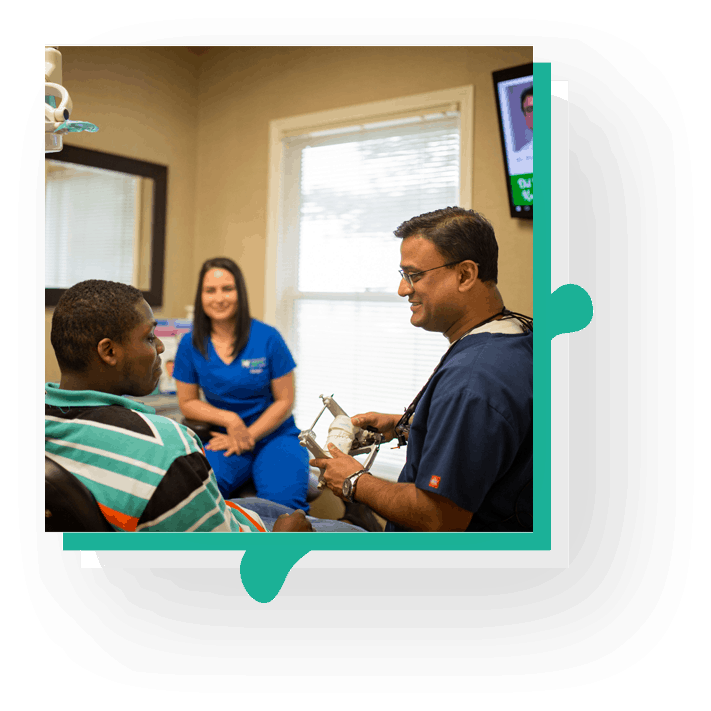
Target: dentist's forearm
393 501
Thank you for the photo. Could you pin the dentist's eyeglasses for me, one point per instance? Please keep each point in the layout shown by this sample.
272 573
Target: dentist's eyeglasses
408 276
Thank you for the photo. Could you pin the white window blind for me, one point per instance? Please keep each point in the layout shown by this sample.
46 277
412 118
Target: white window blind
91 220
344 191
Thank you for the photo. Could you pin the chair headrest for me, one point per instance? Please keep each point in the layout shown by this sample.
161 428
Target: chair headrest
69 505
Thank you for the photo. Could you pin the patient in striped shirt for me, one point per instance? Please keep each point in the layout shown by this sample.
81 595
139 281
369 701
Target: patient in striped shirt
147 472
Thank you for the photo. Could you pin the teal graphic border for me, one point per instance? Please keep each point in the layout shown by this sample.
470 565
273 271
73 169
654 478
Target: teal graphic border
268 558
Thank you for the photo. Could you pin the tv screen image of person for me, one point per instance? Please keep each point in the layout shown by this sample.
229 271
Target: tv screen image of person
514 99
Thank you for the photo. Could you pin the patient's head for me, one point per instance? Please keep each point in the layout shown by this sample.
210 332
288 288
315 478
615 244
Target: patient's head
102 335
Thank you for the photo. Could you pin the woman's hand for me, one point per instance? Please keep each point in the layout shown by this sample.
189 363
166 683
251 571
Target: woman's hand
237 440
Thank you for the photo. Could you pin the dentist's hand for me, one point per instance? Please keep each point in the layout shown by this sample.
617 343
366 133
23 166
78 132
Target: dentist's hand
336 469
385 424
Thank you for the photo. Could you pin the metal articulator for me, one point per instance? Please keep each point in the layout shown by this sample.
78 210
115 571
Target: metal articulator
365 441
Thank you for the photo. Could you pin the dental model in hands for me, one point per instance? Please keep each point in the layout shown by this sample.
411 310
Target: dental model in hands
343 434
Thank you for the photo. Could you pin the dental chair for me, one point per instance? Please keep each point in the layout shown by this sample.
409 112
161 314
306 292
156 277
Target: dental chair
68 504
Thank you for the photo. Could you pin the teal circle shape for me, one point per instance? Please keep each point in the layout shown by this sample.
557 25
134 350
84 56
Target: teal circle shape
571 309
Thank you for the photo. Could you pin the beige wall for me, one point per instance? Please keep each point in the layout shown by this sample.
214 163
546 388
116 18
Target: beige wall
207 118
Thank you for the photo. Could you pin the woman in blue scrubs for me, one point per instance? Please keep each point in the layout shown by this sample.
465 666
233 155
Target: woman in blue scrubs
246 372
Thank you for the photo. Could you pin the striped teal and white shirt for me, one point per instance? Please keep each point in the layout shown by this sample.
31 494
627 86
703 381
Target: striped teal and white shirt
147 472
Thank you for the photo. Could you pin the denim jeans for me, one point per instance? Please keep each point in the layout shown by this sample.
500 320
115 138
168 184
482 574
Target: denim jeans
269 512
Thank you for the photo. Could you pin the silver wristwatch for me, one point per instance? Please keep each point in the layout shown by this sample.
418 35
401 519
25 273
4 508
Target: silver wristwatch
349 485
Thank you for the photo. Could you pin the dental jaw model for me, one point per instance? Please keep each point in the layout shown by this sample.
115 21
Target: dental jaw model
343 434
56 115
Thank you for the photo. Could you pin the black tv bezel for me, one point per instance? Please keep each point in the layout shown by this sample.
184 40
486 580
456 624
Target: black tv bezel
522 70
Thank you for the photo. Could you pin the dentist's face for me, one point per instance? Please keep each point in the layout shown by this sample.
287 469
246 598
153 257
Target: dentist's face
432 296
219 295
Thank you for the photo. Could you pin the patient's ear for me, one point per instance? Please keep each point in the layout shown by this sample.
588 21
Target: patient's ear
107 351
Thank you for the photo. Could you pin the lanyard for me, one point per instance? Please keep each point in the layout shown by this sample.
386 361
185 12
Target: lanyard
402 429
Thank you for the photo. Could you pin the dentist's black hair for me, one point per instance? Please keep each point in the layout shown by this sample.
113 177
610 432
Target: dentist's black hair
458 234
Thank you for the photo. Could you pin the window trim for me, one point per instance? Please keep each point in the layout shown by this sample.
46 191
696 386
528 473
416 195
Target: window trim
461 98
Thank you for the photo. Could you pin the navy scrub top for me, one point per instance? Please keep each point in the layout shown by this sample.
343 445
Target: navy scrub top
471 438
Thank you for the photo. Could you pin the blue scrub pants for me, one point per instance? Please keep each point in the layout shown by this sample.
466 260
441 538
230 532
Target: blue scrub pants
278 464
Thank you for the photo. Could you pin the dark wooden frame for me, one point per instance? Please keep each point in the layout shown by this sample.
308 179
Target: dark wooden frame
132 166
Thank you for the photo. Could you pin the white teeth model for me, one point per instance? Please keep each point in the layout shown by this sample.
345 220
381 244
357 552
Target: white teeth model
341 433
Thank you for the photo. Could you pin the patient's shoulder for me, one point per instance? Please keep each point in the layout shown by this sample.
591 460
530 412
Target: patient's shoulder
112 416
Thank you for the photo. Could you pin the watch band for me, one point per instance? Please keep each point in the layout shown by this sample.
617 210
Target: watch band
349 485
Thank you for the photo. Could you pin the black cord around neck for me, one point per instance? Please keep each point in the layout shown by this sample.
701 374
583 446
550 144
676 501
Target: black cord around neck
402 428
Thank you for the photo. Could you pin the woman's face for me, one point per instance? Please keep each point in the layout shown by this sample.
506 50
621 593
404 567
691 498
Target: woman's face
219 295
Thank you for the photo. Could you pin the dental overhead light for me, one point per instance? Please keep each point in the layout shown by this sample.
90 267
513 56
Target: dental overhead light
56 117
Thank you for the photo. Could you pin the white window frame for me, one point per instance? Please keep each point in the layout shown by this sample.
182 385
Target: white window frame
459 98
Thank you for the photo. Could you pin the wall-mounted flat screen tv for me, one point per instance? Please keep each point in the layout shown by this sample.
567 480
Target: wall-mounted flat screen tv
514 98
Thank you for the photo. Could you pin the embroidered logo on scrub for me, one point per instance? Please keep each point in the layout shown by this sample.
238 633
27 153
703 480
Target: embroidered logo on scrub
255 365
434 482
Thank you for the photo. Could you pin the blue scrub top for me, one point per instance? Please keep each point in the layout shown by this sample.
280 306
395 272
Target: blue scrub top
243 386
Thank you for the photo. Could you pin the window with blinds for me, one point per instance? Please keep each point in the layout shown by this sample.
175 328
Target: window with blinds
91 220
343 192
